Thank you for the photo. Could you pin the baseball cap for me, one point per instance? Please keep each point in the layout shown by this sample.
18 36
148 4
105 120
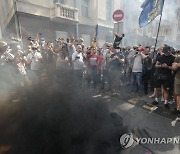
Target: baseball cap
166 49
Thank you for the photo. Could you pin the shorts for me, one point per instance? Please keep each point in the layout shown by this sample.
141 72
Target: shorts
165 83
176 87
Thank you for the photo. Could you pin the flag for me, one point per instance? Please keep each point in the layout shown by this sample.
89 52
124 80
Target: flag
96 31
146 2
94 41
151 9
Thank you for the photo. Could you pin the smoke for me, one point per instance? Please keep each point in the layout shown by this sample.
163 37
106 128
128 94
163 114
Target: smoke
169 11
60 118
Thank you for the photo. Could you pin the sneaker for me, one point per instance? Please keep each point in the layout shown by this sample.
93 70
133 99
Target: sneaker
171 102
175 111
155 103
162 99
152 96
166 106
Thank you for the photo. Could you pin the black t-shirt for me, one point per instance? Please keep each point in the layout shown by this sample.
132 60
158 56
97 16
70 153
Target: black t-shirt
165 60
117 41
115 64
147 63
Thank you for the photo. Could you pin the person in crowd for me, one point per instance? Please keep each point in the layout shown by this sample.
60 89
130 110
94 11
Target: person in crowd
34 58
61 62
136 76
71 49
81 42
100 65
106 67
116 61
131 60
50 60
117 40
127 63
147 65
78 65
176 67
163 74
153 70
92 60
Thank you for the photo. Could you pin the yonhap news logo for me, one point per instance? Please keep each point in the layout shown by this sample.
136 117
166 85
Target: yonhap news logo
126 140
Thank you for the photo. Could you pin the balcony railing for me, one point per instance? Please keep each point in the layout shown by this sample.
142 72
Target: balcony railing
60 11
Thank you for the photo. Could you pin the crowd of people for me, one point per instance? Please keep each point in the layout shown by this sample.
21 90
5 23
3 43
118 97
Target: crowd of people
145 69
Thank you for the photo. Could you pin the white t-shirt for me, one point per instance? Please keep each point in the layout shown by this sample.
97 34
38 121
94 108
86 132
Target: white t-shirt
137 66
78 62
35 58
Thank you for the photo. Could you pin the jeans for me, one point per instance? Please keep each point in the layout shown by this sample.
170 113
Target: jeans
136 82
92 74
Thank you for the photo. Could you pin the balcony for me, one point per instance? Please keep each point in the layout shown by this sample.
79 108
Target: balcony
63 14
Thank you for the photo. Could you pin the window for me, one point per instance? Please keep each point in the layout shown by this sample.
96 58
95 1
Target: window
84 8
59 1
109 9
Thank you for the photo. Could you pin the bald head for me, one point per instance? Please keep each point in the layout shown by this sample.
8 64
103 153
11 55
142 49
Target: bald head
3 46
79 48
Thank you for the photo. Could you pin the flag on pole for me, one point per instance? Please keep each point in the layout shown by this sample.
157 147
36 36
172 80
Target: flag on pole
145 3
96 34
94 41
151 9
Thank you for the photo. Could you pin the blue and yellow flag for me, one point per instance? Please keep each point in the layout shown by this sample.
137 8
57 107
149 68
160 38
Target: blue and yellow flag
151 9
94 41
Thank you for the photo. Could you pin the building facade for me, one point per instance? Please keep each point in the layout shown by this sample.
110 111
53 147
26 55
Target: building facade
59 18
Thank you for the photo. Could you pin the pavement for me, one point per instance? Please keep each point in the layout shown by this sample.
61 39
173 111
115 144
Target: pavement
144 121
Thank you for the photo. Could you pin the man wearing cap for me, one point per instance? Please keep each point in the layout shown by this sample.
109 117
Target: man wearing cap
163 75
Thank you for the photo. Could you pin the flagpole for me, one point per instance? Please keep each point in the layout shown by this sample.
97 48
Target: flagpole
159 28
158 32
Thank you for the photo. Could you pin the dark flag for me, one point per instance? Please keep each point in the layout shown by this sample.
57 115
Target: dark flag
151 9
96 34
94 42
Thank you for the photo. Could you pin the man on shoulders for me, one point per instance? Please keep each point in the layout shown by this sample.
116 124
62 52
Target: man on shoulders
117 40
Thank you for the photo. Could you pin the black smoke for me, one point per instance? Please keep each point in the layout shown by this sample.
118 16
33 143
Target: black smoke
60 118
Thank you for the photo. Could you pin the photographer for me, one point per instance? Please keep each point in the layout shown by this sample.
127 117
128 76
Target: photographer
136 76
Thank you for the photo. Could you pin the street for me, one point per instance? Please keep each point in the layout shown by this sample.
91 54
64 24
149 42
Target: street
145 123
